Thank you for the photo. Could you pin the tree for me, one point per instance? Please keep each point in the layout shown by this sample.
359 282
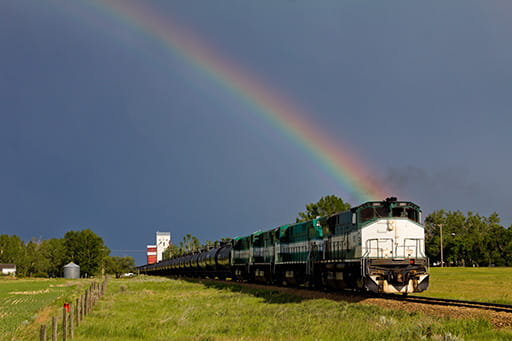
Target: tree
189 244
54 253
86 249
171 251
31 260
508 246
11 249
225 240
208 245
327 205
467 240
119 265
42 258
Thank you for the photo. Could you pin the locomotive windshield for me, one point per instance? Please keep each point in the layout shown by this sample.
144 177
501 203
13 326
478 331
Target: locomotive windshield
386 209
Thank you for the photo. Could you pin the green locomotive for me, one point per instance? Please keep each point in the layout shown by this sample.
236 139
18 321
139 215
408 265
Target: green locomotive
378 246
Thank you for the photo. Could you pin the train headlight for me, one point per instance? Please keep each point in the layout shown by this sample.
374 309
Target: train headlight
391 225
409 252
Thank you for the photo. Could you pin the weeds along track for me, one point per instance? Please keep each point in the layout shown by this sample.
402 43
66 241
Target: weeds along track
499 315
355 296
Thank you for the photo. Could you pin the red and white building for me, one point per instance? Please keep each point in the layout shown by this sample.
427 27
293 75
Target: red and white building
151 253
155 252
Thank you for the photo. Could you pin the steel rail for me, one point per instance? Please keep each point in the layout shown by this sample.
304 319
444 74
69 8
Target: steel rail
456 303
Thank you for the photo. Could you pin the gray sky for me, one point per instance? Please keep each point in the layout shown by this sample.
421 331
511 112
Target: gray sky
103 127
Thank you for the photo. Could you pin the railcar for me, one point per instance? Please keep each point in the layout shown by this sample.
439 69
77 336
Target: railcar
378 246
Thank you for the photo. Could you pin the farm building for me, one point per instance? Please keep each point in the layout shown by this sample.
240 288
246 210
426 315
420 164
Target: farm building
8 269
155 252
71 270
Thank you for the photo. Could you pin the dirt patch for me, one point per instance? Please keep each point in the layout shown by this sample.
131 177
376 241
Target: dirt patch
44 315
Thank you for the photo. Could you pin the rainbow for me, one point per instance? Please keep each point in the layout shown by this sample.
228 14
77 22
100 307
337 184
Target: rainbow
345 168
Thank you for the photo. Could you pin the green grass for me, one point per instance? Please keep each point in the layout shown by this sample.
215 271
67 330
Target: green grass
22 302
149 308
475 284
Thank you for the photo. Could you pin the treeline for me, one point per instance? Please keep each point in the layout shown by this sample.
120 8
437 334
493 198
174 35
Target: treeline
468 240
191 244
43 258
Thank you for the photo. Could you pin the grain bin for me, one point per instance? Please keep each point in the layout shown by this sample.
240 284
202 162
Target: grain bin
71 270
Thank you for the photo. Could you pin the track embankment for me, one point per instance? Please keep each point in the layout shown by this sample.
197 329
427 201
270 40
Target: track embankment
429 306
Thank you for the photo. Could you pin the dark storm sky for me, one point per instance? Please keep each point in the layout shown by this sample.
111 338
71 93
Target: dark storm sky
101 127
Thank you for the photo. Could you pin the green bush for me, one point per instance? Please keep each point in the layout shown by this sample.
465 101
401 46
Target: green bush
40 274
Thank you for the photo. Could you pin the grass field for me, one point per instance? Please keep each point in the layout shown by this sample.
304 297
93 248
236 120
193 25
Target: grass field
25 302
148 308
492 285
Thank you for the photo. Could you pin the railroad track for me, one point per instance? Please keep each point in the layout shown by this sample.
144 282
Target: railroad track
455 303
350 295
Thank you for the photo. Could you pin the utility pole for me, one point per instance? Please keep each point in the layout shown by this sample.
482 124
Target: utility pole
441 241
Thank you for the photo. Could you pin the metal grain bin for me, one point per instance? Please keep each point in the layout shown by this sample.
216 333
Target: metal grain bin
71 270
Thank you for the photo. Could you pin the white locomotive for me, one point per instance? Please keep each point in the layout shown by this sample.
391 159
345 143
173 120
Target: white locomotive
378 246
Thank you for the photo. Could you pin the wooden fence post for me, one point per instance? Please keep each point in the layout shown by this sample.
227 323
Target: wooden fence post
64 324
89 308
82 309
54 328
77 311
89 304
86 303
42 333
71 322
95 293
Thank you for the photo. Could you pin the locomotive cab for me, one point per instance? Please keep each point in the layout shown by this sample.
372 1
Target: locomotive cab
378 246
392 247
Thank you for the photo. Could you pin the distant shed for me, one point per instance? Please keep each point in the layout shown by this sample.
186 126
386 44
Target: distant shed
8 269
71 270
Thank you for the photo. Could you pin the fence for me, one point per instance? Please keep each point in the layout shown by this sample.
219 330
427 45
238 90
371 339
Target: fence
74 314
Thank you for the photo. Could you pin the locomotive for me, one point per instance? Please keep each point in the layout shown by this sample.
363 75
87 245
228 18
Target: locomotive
378 246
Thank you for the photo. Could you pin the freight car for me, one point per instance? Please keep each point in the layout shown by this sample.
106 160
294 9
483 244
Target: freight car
378 246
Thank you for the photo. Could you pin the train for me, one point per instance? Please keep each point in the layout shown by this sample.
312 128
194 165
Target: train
378 246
